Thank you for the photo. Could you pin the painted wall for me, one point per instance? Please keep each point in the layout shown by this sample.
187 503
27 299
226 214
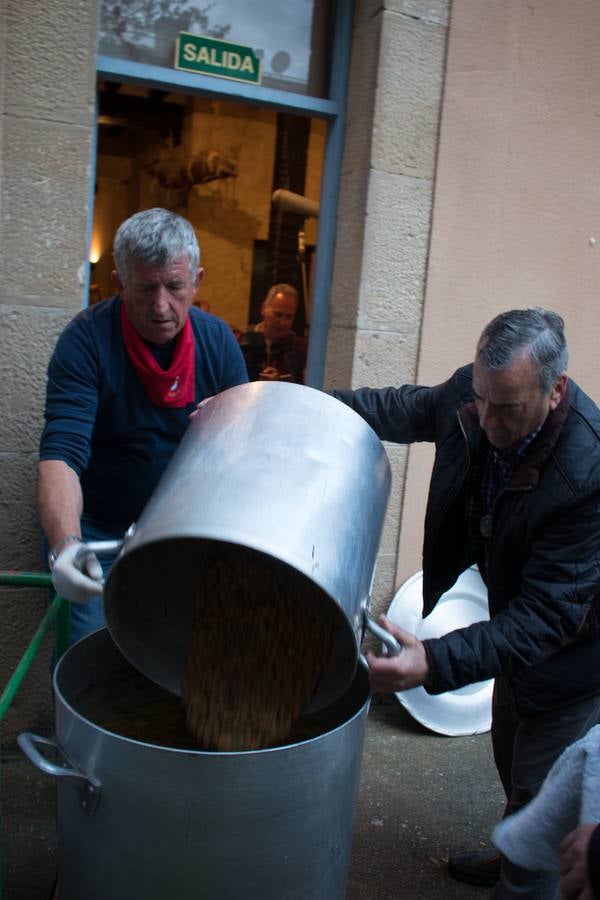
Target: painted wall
516 219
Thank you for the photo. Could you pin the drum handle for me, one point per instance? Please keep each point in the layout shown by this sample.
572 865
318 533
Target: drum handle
89 788
88 548
99 547
391 645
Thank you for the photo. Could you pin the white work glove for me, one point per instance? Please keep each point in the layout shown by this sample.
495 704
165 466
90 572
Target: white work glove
77 575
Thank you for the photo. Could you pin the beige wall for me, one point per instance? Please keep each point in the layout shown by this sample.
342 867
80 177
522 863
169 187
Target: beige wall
516 219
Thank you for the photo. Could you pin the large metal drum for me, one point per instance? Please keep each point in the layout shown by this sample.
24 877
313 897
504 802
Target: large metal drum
140 819
282 470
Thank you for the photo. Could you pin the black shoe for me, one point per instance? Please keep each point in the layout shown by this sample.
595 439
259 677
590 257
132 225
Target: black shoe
480 867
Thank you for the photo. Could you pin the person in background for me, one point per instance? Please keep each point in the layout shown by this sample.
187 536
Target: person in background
271 349
515 488
123 379
580 863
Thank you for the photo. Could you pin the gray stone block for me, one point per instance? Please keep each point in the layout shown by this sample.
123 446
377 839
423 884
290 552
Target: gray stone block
21 612
384 358
29 336
362 86
49 60
383 588
409 91
395 253
349 254
397 456
340 357
20 547
436 12
44 205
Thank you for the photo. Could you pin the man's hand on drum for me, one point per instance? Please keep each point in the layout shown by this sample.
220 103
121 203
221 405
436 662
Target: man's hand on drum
388 674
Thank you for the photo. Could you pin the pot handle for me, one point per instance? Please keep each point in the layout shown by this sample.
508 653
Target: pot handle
89 547
392 647
99 547
89 788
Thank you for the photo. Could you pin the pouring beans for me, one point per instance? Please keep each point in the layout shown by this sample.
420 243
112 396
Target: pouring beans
261 637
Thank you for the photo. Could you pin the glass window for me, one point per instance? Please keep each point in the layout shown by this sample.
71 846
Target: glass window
292 38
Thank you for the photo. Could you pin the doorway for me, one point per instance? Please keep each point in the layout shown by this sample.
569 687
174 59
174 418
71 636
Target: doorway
218 164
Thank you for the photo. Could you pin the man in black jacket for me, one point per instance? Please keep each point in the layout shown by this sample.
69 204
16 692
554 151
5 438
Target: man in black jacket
515 488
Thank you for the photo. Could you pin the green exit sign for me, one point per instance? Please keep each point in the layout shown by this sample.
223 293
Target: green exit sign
212 57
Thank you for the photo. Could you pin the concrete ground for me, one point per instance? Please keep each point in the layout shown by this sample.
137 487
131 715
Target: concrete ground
422 795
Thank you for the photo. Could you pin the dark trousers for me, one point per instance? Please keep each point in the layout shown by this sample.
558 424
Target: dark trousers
525 749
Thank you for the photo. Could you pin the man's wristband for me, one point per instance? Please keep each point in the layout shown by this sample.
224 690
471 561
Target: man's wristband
56 550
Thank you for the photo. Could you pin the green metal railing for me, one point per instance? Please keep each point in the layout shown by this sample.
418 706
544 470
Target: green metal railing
57 614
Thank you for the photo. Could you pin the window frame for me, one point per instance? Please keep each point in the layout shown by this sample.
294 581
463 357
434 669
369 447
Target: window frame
332 110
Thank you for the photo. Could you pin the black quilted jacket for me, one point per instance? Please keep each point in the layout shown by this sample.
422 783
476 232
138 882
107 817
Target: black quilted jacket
543 574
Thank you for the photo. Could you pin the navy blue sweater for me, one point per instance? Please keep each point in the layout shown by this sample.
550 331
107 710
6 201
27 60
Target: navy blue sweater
99 419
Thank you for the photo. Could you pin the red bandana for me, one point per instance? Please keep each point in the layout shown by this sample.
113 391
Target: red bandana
165 387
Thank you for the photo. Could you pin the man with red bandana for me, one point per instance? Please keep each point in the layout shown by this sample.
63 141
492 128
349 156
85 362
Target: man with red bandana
123 379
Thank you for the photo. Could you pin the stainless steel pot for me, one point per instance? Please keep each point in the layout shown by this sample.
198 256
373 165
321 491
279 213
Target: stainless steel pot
282 469
137 819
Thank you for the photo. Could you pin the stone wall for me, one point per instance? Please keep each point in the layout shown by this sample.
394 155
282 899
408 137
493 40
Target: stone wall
384 220
47 77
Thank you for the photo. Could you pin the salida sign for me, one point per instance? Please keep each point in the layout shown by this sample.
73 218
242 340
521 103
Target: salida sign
213 57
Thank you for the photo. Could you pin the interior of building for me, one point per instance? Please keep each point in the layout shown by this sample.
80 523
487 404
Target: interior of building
217 163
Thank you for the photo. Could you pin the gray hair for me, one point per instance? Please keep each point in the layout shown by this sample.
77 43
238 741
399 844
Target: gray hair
155 236
539 332
281 289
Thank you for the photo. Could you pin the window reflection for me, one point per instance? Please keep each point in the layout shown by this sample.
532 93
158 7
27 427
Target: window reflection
291 37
